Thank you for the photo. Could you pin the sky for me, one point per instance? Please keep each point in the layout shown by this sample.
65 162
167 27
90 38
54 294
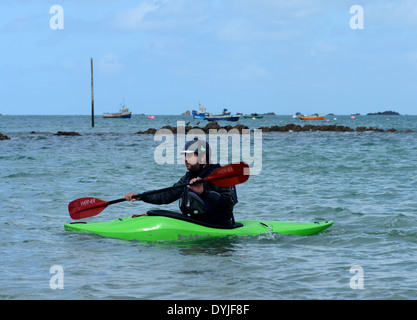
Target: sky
167 56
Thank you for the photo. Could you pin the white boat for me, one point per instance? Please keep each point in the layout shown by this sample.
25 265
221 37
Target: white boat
123 113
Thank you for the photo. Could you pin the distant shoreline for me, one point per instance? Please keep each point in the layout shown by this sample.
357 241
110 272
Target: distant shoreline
190 117
385 113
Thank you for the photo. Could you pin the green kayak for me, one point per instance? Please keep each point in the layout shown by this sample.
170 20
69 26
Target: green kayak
161 225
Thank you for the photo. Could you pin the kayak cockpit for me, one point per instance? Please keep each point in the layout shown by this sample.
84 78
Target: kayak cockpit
180 216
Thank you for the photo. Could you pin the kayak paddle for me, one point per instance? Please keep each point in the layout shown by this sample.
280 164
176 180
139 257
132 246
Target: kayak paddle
226 176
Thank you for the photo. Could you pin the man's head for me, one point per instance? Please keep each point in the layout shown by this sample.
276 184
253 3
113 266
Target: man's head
197 152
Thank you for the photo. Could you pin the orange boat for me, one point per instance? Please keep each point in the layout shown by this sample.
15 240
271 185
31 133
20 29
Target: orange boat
312 117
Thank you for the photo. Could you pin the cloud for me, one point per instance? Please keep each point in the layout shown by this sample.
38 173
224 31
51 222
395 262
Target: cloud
412 57
24 23
321 47
251 71
109 64
132 19
391 13
247 30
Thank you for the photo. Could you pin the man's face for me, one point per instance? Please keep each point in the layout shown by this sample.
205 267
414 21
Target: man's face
191 161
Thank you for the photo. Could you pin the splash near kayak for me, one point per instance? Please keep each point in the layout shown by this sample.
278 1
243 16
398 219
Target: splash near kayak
162 225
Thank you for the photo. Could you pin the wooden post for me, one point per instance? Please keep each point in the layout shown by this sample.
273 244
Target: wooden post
92 95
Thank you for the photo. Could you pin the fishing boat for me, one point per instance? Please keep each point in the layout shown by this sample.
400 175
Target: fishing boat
219 118
226 115
253 116
164 225
123 113
314 116
201 114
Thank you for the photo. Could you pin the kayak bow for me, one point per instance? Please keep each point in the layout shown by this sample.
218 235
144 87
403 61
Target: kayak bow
161 225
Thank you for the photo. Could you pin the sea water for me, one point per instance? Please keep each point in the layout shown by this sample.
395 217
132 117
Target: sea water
365 181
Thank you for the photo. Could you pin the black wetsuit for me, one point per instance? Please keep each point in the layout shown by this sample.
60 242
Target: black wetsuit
214 205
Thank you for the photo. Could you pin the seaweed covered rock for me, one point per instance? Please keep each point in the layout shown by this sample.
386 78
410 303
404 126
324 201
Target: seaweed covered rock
291 127
67 133
185 129
4 137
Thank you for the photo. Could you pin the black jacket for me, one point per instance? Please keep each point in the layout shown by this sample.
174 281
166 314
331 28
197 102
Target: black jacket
218 201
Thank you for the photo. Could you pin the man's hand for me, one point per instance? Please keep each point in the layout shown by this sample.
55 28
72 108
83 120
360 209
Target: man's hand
129 196
198 187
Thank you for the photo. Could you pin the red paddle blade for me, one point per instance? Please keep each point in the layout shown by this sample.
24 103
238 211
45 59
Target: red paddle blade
230 175
86 207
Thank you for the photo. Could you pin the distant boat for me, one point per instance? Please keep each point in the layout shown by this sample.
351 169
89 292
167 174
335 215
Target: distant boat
226 115
226 112
201 114
123 113
220 117
314 116
253 116
151 117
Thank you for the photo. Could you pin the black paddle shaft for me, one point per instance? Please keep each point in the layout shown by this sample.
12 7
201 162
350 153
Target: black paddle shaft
147 193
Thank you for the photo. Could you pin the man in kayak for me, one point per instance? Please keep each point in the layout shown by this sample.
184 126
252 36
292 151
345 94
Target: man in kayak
201 201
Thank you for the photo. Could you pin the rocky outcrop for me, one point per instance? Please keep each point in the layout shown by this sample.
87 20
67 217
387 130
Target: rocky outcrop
4 137
311 128
210 126
67 133
291 127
